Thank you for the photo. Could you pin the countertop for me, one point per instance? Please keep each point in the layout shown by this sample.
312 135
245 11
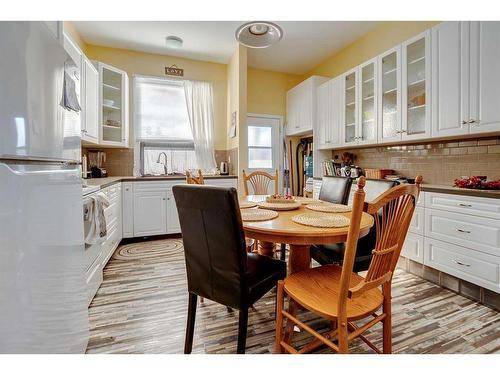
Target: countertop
450 189
108 181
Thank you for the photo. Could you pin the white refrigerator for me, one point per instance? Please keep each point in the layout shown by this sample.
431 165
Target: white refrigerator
43 306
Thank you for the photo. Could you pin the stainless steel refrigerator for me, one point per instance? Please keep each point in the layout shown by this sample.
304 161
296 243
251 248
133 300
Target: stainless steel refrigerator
43 305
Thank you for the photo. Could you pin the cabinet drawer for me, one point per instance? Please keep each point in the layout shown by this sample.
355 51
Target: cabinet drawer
413 248
477 206
417 222
473 266
477 233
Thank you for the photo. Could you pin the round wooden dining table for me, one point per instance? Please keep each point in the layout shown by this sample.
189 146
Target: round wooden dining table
299 237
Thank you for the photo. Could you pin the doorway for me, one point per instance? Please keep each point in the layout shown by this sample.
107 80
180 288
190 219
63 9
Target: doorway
265 144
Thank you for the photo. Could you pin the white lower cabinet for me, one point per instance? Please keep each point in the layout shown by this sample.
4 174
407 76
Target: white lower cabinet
150 212
475 232
128 209
173 224
149 207
413 248
465 263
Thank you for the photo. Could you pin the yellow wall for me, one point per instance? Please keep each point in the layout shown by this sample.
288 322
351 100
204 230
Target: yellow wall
266 93
154 65
383 37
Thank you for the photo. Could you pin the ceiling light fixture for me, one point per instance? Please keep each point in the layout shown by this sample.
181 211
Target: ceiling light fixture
173 41
259 34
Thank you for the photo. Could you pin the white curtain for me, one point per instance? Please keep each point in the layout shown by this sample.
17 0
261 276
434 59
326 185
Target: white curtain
199 101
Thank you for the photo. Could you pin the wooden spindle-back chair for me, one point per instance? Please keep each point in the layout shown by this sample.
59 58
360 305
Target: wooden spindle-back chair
190 179
340 295
260 182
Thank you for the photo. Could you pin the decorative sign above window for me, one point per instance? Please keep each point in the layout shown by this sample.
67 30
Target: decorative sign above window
174 71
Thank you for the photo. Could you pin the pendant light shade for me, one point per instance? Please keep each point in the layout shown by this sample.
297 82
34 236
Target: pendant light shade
259 34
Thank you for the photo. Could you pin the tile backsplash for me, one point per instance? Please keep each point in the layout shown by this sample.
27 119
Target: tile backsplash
437 162
119 161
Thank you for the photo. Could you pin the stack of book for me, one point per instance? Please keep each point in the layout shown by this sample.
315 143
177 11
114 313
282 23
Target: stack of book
330 168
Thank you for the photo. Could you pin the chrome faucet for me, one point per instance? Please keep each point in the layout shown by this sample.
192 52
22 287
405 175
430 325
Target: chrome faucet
164 163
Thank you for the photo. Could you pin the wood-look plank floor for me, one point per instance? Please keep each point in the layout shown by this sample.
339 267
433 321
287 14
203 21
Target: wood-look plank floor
141 307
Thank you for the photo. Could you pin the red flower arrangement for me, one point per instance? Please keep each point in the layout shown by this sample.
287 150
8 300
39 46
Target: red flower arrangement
477 182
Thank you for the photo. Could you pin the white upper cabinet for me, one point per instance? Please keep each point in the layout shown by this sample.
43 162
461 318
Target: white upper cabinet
389 69
90 121
416 84
113 114
350 107
484 113
367 103
466 78
301 106
324 110
450 79
329 114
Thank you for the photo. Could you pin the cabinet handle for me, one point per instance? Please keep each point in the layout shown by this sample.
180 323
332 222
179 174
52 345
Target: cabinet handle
403 131
460 263
471 121
463 230
465 205
464 122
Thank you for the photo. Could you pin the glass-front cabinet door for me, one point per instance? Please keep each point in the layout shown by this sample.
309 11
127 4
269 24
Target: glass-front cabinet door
416 121
114 105
367 127
390 95
350 107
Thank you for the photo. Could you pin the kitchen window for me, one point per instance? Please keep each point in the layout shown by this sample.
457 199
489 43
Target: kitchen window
162 129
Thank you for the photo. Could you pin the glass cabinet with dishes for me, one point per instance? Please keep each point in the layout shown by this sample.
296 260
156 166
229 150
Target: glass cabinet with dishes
390 95
367 127
350 107
113 114
416 72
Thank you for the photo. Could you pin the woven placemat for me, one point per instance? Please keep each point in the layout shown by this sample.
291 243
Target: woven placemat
329 207
246 204
280 206
321 220
257 214
307 200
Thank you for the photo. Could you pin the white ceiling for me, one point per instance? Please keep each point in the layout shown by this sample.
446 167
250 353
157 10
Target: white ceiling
305 44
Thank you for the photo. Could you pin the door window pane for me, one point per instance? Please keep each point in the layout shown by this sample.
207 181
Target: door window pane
260 158
259 136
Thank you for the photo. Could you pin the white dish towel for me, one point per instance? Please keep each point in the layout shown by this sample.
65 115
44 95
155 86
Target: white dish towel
97 230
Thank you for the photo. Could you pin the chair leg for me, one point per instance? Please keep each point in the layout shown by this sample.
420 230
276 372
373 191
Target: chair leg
242 331
292 310
282 251
188 344
343 342
279 318
387 322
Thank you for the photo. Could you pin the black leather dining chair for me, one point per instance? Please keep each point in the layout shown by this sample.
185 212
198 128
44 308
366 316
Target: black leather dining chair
334 253
217 263
335 189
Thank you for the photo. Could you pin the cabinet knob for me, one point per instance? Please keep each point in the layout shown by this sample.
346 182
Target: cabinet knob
163 198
